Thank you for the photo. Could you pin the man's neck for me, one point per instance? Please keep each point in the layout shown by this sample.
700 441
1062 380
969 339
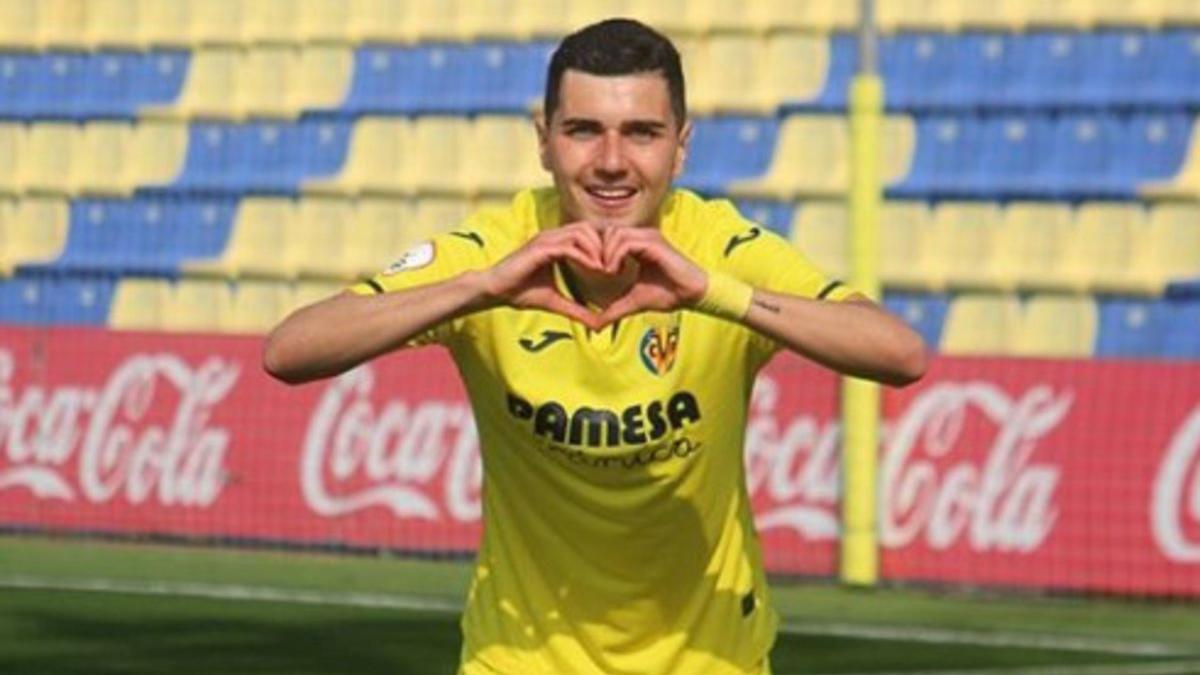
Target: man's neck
597 289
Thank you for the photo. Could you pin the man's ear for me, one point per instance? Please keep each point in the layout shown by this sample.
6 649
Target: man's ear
543 134
685 140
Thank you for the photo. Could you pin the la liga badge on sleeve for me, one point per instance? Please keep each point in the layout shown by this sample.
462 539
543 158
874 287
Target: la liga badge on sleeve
413 259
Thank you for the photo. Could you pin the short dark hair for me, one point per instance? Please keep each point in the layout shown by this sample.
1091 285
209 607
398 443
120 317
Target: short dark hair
617 47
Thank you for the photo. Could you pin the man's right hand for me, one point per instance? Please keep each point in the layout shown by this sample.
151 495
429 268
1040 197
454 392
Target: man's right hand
525 279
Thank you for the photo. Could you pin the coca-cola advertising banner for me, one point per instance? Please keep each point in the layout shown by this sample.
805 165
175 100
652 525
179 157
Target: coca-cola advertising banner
1067 474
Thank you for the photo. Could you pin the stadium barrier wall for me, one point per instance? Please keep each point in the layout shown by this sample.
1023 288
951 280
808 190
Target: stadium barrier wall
1079 475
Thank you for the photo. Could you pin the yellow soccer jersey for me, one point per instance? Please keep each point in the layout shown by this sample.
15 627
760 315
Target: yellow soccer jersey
617 530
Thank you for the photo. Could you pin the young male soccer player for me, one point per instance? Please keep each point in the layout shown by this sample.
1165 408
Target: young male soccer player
609 330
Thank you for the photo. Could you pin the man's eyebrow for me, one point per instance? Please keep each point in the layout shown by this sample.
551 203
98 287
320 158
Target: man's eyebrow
644 125
580 122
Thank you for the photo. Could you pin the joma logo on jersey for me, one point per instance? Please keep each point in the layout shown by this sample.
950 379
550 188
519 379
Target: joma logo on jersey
595 427
658 349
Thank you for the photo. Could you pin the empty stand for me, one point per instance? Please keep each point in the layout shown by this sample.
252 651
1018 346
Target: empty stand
198 306
140 304
256 306
982 324
1058 326
821 231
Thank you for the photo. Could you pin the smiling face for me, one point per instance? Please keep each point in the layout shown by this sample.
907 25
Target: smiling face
613 146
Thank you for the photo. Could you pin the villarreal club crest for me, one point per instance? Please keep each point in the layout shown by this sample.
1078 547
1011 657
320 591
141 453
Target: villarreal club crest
658 348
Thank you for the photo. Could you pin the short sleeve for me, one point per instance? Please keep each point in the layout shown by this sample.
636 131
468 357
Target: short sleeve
765 260
439 259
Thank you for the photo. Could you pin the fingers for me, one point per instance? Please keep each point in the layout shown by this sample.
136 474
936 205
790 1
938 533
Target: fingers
560 305
619 309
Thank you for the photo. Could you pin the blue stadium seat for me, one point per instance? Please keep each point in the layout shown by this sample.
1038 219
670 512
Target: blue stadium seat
161 76
16 69
947 149
1084 160
324 144
1014 153
1051 69
378 80
920 70
775 215
1130 328
25 300
56 84
1175 80
986 69
1181 338
268 157
212 161
110 86
1155 146
725 149
502 77
202 226
1128 62
924 312
843 62
81 300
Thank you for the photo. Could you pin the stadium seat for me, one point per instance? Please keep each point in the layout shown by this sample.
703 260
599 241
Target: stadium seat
139 304
118 84
101 239
26 300
1185 183
726 149
1139 13
943 16
964 238
504 156
489 20
905 257
439 147
982 324
1180 13
921 70
1084 160
321 235
539 19
61 24
82 300
1181 339
376 162
945 158
35 233
986 68
212 162
113 24
1099 251
51 151
824 16
1049 67
271 21
1154 148
377 226
1168 250
821 231
433 216
1069 14
431 22
308 292
198 306
259 244
1130 327
1057 326
55 85
8 226
266 158
12 156
15 71
924 312
324 144
165 23
202 227
774 215
101 167
257 306
377 21
810 159
323 22
1015 151
17 17
217 22
730 70
210 88
267 82
159 152
1032 242
797 68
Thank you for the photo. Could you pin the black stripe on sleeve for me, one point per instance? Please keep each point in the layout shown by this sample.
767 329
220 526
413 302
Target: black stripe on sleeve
375 285
828 289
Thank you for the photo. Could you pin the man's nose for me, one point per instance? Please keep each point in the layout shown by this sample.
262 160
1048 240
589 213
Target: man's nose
612 157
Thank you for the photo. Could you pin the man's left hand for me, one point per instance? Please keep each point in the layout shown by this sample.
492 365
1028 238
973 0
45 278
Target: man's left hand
665 281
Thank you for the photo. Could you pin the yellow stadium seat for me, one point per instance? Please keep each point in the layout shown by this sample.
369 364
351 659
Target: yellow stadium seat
166 23
323 21
1185 184
321 234
305 293
810 159
1181 12
62 24
440 145
1032 243
979 324
821 230
376 162
1057 326
139 304
431 21
536 19
1099 252
504 156
113 23
899 146
375 239
995 15
1138 13
256 306
964 240
433 216
905 249
12 155
198 306
218 22
271 21
51 150
211 87
37 231
729 76
725 16
18 24
8 213
1069 14
488 20
159 150
665 16
325 76
819 16
795 67
267 82
259 245
382 21
1169 249
919 15
102 167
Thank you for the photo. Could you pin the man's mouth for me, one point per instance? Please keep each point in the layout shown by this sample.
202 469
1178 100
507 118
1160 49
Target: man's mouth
611 197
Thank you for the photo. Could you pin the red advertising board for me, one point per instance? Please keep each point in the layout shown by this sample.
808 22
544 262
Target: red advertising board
1067 474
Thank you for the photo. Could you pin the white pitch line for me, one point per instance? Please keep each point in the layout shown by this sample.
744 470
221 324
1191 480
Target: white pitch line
453 606
1172 668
